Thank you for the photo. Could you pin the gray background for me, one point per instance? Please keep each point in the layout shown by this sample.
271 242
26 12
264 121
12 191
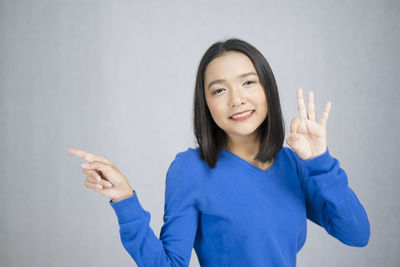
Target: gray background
116 78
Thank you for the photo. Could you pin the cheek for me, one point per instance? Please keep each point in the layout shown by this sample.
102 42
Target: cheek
216 109
261 99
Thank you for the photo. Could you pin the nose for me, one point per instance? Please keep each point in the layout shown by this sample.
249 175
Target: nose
237 97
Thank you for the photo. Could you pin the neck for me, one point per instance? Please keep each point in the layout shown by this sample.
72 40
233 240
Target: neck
246 146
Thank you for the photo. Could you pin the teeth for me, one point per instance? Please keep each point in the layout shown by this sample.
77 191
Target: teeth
242 115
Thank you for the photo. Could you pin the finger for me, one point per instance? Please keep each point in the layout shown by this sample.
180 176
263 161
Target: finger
325 114
87 156
290 142
93 174
87 169
294 125
109 171
94 177
311 106
102 182
94 186
301 105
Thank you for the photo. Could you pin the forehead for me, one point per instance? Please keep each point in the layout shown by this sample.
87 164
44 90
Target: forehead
229 65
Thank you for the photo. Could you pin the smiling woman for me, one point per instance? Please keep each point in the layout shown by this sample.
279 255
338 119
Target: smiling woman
240 198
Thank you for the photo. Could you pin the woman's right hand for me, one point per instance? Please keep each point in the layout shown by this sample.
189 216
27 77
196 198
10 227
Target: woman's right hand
103 176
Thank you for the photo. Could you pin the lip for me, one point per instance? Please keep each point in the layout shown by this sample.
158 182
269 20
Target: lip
244 118
240 113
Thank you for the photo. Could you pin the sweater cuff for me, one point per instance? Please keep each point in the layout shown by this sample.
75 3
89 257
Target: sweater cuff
127 209
320 164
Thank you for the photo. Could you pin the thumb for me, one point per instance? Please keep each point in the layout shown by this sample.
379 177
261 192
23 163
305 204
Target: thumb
294 125
291 141
293 138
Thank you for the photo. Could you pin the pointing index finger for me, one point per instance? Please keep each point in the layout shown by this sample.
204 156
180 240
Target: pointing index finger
86 155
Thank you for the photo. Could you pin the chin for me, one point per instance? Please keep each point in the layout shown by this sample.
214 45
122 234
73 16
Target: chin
242 132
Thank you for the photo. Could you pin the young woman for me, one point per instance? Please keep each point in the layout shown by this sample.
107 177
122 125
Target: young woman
240 198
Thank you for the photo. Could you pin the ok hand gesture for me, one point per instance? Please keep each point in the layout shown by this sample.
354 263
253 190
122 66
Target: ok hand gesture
103 176
307 136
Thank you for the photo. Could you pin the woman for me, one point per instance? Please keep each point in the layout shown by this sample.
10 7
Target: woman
240 198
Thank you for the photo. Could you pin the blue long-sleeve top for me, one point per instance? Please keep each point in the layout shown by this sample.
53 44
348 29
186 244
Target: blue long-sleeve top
237 214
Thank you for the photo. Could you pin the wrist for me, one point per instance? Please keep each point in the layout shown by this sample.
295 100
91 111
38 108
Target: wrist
122 197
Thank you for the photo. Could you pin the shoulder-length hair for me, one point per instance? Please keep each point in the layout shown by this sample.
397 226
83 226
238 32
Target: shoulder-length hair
212 139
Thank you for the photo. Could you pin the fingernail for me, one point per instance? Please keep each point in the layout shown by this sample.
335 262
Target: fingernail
108 184
98 186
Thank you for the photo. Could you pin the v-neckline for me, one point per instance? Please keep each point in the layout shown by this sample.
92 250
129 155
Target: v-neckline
244 162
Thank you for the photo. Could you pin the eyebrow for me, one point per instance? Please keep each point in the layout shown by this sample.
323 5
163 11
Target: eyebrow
240 76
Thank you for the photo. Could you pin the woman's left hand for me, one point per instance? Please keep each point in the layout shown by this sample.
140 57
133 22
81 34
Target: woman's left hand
307 136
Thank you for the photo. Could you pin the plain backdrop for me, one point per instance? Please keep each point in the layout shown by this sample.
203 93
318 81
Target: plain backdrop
116 78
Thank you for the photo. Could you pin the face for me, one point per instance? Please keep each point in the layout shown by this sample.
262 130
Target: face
231 86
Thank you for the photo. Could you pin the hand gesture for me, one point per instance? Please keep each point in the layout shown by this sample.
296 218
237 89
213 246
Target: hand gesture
103 176
307 136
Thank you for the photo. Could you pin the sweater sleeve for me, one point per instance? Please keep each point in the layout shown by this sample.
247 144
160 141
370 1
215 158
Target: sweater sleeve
180 218
330 202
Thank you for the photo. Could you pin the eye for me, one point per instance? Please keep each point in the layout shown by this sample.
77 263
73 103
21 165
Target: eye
249 82
215 91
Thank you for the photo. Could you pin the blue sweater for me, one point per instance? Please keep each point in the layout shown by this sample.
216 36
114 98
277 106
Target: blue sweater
237 214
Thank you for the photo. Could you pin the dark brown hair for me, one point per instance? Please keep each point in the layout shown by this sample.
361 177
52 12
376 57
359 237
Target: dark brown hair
212 139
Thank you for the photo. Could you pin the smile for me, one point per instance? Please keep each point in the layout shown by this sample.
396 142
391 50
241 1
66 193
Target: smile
243 117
